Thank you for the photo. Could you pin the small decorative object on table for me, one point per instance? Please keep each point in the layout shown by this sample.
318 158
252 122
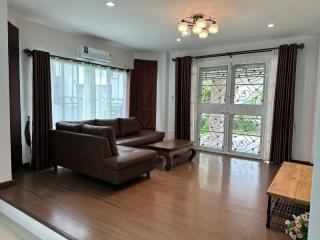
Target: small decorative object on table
298 227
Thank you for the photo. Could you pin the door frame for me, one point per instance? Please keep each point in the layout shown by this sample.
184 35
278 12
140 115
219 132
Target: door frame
244 59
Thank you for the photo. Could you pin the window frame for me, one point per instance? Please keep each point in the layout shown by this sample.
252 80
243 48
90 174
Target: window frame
91 79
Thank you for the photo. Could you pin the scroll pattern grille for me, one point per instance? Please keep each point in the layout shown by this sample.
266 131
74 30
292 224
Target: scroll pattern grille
231 102
213 84
212 130
249 82
246 134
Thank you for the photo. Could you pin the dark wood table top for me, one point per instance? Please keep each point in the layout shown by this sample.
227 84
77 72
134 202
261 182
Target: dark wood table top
171 145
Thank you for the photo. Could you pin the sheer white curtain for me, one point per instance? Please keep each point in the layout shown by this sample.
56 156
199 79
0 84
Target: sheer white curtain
194 99
271 86
84 91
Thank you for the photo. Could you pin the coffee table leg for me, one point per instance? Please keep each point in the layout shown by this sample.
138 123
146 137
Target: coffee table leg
268 212
193 154
169 160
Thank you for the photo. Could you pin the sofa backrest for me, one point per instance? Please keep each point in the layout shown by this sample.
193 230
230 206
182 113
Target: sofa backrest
110 123
69 126
122 126
129 126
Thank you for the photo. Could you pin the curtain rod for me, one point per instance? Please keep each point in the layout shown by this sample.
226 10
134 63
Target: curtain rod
230 54
30 52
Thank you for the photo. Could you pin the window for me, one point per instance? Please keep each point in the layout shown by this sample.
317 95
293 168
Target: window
231 107
249 83
213 84
84 91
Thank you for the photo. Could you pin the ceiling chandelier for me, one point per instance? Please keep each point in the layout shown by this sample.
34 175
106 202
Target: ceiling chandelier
199 25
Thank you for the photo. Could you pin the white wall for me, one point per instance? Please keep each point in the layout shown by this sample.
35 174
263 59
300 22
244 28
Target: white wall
307 67
162 81
5 147
57 42
314 231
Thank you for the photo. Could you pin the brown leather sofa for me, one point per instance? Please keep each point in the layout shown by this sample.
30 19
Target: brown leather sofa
128 132
104 149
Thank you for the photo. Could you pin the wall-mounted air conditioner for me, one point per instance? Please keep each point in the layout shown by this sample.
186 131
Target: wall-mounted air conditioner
94 55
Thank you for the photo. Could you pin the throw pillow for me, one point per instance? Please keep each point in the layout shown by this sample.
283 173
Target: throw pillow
103 131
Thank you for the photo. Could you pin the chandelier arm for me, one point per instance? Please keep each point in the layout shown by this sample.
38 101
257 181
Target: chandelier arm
189 22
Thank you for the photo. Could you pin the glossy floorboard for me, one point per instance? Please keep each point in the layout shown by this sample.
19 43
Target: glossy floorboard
213 197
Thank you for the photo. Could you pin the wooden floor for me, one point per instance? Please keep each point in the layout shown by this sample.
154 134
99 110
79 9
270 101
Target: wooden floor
213 197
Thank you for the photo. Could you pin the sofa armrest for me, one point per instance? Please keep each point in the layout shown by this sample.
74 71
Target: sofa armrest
80 152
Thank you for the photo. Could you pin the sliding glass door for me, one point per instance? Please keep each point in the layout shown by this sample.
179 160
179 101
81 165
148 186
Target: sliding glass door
231 107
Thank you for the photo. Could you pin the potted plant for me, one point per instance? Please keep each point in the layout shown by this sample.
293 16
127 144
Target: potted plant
298 227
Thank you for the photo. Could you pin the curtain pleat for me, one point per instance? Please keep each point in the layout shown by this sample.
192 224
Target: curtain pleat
143 93
183 97
41 118
283 116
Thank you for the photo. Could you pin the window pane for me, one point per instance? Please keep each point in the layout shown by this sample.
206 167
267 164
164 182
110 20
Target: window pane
249 83
83 91
246 134
212 130
213 84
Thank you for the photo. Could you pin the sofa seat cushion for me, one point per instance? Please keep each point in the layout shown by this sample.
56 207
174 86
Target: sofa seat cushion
109 122
128 157
144 137
104 131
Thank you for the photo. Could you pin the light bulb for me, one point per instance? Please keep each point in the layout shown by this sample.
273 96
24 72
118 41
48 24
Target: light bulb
110 4
203 34
182 26
186 33
201 23
213 28
196 29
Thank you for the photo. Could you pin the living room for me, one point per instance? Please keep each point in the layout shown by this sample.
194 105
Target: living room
193 120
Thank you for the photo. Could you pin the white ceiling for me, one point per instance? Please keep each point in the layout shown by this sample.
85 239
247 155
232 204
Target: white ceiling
151 24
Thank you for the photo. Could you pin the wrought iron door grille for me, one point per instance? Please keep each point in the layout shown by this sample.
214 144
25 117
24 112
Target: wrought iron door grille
212 130
249 83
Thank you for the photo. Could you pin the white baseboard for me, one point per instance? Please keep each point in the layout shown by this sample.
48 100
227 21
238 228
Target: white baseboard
28 223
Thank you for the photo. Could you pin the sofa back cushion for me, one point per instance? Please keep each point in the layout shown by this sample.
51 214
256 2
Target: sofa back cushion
102 131
129 126
111 123
69 126
90 122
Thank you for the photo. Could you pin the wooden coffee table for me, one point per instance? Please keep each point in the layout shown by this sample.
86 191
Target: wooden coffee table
170 148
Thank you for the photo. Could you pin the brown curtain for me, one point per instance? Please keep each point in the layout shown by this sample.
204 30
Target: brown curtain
283 116
183 97
41 119
143 93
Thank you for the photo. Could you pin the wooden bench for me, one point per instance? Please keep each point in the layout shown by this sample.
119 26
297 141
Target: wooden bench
292 183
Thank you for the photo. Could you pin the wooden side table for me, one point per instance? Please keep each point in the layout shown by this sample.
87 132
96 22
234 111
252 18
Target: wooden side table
170 148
